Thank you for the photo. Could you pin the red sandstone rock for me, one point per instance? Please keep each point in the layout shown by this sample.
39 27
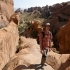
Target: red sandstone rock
63 38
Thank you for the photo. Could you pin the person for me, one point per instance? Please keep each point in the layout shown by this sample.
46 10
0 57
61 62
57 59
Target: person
45 42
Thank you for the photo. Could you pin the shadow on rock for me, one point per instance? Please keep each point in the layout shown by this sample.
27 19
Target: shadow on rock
36 67
65 65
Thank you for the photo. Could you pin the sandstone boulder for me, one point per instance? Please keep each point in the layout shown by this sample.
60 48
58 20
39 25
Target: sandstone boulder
3 21
6 10
58 61
8 41
63 38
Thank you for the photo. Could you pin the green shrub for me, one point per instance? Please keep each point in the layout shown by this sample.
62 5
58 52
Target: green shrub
23 28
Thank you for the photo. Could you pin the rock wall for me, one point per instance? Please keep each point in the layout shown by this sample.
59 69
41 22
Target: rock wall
6 10
63 37
9 38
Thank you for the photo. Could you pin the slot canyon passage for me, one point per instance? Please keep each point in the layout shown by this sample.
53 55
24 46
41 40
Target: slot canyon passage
18 32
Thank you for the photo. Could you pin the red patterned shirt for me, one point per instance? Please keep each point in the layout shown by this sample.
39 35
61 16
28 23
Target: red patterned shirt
45 40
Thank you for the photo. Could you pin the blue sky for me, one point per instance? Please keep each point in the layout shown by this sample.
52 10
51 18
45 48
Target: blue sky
33 3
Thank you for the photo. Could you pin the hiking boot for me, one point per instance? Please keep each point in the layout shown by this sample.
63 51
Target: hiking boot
44 64
41 67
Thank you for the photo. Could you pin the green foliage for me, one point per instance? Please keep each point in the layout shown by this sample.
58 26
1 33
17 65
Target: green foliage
25 19
31 16
21 21
57 52
22 27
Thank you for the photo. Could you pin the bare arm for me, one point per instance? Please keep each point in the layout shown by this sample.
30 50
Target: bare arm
50 43
40 45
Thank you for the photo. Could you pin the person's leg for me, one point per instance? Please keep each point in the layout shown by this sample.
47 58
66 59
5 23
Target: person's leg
46 52
43 60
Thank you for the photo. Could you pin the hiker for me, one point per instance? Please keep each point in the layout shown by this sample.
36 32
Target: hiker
45 38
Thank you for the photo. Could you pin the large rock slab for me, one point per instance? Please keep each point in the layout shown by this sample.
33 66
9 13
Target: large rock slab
8 41
63 38
58 61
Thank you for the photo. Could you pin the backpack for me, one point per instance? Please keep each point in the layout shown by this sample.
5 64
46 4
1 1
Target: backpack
38 37
43 37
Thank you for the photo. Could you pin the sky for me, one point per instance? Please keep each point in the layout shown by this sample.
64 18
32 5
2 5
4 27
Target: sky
32 3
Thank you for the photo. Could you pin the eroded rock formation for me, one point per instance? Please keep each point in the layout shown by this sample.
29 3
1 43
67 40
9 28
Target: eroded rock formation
45 11
63 37
34 29
58 61
6 10
19 11
8 41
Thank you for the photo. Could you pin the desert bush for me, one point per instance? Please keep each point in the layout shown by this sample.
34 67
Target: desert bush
22 28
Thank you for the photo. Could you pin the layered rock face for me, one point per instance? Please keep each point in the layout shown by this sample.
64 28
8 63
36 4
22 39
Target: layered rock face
58 61
8 41
8 35
6 10
63 38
